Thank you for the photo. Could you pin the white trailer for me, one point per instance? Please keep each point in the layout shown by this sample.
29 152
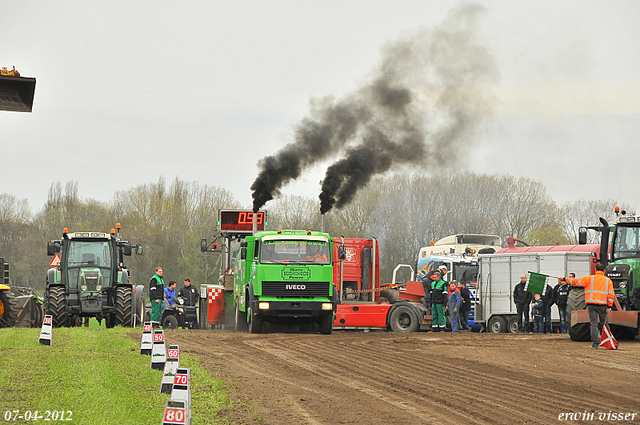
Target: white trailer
500 273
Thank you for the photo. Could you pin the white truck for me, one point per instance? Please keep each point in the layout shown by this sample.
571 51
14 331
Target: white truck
500 273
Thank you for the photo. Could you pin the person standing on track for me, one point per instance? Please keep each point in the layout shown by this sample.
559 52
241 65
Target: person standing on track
465 306
598 296
522 299
453 304
156 294
438 300
560 296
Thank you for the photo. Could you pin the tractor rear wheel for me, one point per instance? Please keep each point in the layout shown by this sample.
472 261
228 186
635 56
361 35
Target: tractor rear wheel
124 306
575 301
8 309
56 303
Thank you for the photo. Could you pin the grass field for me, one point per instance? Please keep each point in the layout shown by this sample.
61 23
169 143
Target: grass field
96 374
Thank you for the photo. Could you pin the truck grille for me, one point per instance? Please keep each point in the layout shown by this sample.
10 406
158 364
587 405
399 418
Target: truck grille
91 280
295 289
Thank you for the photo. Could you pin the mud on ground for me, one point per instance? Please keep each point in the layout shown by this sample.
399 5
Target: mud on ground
355 377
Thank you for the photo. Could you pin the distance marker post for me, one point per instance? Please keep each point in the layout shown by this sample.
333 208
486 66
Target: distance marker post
158 352
170 369
182 389
45 333
175 413
146 344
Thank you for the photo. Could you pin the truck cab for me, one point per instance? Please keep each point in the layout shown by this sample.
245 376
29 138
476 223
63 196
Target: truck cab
285 276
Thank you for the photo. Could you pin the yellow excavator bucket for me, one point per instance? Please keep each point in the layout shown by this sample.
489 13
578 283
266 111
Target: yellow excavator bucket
16 92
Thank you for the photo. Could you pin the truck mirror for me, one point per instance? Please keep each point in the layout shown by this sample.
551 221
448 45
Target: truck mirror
243 253
126 249
582 236
53 248
342 252
203 245
139 249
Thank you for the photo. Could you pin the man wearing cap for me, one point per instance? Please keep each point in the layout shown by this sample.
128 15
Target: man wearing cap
438 300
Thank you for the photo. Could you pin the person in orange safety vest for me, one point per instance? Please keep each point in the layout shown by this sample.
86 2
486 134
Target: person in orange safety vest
598 296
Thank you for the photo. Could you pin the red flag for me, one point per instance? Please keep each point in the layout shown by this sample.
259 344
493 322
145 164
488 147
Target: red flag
607 339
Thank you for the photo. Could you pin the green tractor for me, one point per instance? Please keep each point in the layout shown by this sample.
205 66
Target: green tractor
90 280
621 257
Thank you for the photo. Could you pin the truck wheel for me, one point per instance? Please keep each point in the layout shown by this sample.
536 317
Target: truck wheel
513 325
37 314
255 322
170 322
241 320
326 324
575 301
8 309
391 295
56 304
124 307
403 319
497 324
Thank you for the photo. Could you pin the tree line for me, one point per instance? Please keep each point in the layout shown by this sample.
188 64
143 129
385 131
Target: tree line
404 212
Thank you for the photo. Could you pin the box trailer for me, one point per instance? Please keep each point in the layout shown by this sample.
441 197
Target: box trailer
500 273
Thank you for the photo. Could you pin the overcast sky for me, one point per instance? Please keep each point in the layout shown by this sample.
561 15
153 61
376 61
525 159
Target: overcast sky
130 91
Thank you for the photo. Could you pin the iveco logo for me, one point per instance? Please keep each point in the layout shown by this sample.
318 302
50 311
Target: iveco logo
297 287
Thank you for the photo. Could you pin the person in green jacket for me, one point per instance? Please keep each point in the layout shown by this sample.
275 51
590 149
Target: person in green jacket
156 294
438 300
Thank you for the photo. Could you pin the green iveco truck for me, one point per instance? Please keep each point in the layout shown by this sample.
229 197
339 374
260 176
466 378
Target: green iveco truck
285 277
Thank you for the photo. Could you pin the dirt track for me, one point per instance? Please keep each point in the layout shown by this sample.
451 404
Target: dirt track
430 378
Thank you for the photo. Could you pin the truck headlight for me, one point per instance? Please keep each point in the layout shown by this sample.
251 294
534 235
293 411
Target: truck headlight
83 287
327 306
623 284
99 288
263 306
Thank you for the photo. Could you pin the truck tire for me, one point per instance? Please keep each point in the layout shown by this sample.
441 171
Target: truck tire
8 309
497 324
403 319
513 325
170 322
391 295
575 301
124 306
241 320
255 322
326 324
56 304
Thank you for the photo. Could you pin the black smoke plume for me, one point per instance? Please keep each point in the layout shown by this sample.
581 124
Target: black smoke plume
418 111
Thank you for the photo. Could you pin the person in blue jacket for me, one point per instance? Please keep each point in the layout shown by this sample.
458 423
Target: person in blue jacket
170 294
454 304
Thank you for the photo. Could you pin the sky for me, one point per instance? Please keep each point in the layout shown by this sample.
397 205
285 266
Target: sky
128 92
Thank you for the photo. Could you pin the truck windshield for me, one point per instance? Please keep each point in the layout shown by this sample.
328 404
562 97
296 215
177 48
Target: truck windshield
627 243
466 273
294 251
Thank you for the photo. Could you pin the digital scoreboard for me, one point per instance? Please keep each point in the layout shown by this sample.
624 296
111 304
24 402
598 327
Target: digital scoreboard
240 221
